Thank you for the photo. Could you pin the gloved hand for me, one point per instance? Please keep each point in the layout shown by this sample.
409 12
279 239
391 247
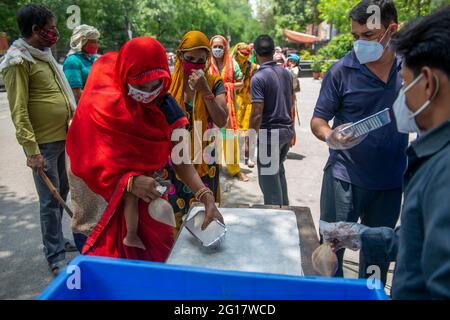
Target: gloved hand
342 234
337 141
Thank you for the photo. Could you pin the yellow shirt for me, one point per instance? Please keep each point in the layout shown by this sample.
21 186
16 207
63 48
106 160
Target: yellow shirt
39 109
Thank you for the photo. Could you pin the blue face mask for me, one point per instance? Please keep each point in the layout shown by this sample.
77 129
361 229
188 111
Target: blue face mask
369 51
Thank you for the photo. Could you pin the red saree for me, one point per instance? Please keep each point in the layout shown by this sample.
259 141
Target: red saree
113 137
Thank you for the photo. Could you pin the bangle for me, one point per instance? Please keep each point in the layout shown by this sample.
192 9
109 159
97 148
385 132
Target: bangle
209 98
199 194
130 184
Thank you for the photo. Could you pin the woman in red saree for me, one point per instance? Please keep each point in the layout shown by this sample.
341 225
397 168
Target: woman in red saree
119 137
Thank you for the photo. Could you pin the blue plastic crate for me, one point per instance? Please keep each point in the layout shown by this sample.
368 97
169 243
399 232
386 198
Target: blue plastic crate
117 279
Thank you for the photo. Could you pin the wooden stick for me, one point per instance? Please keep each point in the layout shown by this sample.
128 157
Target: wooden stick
55 193
297 114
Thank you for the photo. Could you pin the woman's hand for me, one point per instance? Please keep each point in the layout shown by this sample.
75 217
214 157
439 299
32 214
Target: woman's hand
211 211
145 188
197 81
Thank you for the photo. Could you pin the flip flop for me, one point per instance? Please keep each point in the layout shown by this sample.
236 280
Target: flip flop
56 267
69 246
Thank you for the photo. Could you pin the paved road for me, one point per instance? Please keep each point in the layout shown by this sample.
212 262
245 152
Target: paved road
23 269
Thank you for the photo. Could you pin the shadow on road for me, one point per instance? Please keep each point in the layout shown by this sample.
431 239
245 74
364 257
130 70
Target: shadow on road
295 156
24 273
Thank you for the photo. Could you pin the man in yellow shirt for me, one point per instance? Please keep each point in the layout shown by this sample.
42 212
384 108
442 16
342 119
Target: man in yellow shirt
41 104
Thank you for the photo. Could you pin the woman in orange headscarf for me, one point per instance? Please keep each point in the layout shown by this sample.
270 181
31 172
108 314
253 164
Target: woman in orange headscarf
242 55
202 97
119 138
222 64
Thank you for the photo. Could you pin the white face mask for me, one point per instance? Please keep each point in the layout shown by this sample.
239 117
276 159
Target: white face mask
406 119
217 52
369 51
144 96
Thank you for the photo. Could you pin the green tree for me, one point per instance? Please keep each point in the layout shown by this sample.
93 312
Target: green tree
336 13
294 15
165 20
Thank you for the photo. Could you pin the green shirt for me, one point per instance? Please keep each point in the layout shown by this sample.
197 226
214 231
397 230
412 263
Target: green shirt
238 76
39 109
77 67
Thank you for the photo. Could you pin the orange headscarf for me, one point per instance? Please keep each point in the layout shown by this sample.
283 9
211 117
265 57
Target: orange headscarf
228 78
191 41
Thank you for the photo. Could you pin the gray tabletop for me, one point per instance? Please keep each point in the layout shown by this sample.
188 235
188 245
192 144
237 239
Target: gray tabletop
259 239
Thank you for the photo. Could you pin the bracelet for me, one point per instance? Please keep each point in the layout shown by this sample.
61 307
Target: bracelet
199 194
209 98
130 184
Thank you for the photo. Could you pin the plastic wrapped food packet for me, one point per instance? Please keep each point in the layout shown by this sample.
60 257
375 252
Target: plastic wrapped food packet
324 260
161 210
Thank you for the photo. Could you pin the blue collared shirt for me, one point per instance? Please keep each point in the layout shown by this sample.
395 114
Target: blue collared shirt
351 92
272 85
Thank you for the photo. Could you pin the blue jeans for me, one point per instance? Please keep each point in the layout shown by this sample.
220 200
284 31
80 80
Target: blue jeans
50 210
343 201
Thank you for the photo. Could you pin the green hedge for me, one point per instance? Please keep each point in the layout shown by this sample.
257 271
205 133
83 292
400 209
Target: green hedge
338 47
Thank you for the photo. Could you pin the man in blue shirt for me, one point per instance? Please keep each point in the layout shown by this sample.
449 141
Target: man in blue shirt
363 176
272 102
421 246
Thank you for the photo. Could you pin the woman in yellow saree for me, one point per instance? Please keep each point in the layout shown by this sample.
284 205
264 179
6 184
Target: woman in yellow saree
242 54
203 99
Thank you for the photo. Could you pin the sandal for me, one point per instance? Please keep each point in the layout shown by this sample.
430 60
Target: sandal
69 246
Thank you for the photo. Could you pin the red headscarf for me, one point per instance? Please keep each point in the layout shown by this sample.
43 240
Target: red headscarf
228 79
113 137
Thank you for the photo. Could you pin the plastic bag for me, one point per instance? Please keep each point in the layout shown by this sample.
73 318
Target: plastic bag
324 260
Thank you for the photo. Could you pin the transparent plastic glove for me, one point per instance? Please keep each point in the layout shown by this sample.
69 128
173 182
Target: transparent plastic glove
342 234
337 141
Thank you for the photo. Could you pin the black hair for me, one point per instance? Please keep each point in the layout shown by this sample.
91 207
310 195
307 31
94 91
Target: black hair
388 12
32 14
264 46
425 42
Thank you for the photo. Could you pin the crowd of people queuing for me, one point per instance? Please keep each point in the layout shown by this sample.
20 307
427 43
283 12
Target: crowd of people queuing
103 126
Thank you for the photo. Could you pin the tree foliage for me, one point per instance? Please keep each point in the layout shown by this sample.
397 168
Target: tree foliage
337 47
166 20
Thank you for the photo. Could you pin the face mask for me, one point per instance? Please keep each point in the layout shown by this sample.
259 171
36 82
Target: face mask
406 119
241 58
217 53
91 48
189 67
369 51
51 37
144 96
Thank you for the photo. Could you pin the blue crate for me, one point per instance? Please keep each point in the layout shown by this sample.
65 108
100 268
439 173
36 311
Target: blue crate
118 279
